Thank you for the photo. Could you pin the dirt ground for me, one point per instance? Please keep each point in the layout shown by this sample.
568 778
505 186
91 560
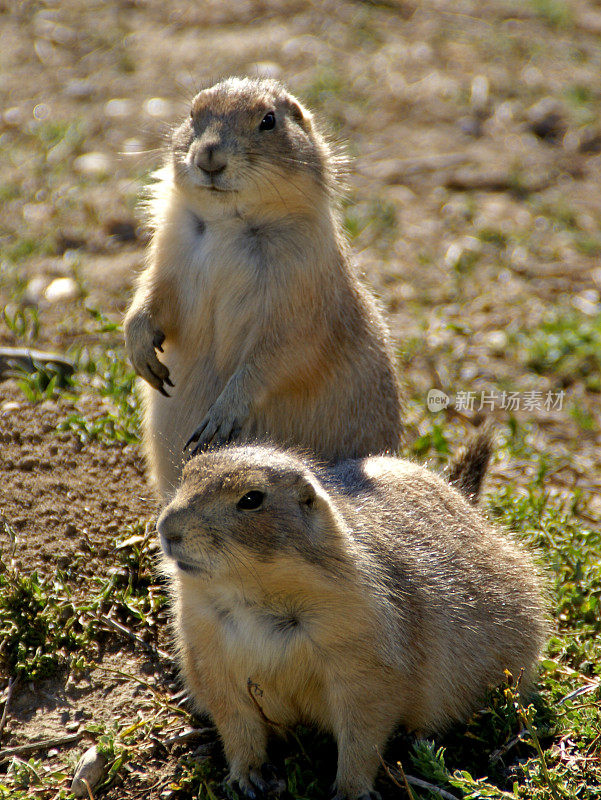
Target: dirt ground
473 207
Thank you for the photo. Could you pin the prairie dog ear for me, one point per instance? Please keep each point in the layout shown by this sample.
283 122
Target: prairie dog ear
299 114
307 495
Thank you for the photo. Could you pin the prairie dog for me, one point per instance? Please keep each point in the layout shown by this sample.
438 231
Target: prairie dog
264 329
356 596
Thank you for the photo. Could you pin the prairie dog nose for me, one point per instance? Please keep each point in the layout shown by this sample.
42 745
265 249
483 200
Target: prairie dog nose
168 528
211 159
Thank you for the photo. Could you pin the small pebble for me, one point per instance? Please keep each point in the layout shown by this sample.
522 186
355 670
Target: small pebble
496 341
27 464
546 120
36 213
118 107
584 304
13 116
79 89
90 770
157 107
479 93
61 289
35 290
94 163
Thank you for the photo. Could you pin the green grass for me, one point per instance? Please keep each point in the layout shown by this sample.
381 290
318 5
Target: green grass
27 776
21 249
51 132
588 245
556 13
579 94
583 417
37 622
492 236
327 85
376 218
22 322
567 346
431 442
47 630
44 629
560 212
100 370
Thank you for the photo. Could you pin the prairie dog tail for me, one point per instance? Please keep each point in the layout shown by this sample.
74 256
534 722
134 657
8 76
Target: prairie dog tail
467 469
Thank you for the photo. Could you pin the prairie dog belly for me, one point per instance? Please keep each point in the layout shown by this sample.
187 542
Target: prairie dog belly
266 650
218 306
169 421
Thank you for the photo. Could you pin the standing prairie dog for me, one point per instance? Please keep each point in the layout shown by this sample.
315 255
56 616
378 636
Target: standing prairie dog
264 328
356 596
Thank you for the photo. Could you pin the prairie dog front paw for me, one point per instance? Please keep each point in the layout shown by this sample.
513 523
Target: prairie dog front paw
222 424
142 340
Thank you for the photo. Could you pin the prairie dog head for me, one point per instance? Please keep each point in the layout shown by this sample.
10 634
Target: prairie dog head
240 505
250 144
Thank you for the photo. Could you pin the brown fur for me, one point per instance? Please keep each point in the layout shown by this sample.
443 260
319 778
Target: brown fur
268 332
467 469
357 597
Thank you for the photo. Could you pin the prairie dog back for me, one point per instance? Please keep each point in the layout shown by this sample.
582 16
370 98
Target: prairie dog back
263 328
357 597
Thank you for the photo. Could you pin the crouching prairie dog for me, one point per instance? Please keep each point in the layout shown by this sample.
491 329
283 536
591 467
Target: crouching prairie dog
357 597
264 328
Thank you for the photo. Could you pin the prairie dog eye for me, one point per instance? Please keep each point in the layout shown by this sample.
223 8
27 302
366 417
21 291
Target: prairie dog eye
250 501
268 122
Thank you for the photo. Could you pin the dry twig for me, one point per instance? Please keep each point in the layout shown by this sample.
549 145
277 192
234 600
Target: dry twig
87 785
194 733
590 687
12 683
410 779
109 622
254 689
498 754
42 744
